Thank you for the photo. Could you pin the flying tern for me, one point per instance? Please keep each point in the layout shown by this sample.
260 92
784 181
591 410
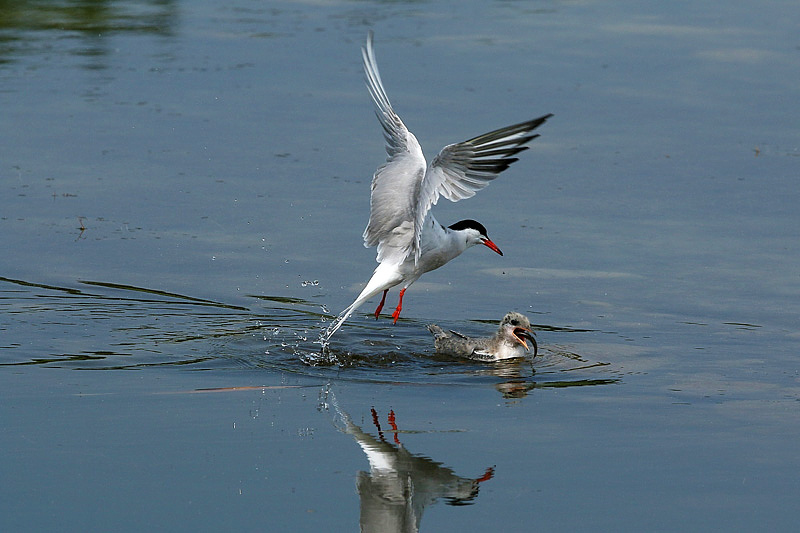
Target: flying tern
409 240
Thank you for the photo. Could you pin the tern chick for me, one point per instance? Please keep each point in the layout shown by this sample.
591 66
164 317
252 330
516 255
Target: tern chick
509 342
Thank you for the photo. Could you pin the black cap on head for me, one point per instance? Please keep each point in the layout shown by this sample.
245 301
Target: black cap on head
465 224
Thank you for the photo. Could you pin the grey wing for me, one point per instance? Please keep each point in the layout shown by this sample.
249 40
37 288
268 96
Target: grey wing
393 222
460 335
452 343
462 169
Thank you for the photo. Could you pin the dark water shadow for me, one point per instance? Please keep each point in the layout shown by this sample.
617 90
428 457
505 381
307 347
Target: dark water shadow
28 27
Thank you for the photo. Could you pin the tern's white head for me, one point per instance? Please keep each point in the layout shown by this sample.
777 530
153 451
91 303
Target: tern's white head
475 233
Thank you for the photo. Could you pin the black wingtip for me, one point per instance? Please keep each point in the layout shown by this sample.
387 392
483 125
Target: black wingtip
520 128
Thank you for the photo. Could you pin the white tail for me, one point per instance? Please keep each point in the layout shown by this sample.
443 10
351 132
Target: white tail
336 324
384 277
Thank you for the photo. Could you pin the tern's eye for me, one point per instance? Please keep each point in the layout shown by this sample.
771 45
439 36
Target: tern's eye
515 322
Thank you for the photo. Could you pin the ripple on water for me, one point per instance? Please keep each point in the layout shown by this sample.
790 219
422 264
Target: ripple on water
378 351
113 326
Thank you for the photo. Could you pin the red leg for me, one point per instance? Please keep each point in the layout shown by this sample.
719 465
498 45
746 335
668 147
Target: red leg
396 313
380 305
394 426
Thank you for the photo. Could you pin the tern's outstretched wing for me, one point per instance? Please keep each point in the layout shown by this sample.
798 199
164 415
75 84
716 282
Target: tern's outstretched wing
403 190
460 170
396 184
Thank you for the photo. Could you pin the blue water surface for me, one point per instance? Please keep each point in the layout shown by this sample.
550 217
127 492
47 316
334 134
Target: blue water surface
183 187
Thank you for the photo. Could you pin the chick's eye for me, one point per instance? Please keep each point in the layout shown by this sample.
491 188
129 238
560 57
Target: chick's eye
515 322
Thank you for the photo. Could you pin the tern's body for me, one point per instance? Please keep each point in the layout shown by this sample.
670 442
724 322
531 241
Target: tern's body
410 241
438 245
509 342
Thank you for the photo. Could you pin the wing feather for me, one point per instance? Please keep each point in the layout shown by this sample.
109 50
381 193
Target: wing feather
462 169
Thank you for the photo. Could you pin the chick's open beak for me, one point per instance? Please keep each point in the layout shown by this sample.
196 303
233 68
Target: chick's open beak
521 334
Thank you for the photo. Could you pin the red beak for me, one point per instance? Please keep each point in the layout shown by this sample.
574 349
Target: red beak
489 244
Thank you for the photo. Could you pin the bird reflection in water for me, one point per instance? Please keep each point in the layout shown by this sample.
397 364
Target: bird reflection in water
400 484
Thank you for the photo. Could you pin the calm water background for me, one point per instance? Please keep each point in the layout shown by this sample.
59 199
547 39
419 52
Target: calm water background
183 190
